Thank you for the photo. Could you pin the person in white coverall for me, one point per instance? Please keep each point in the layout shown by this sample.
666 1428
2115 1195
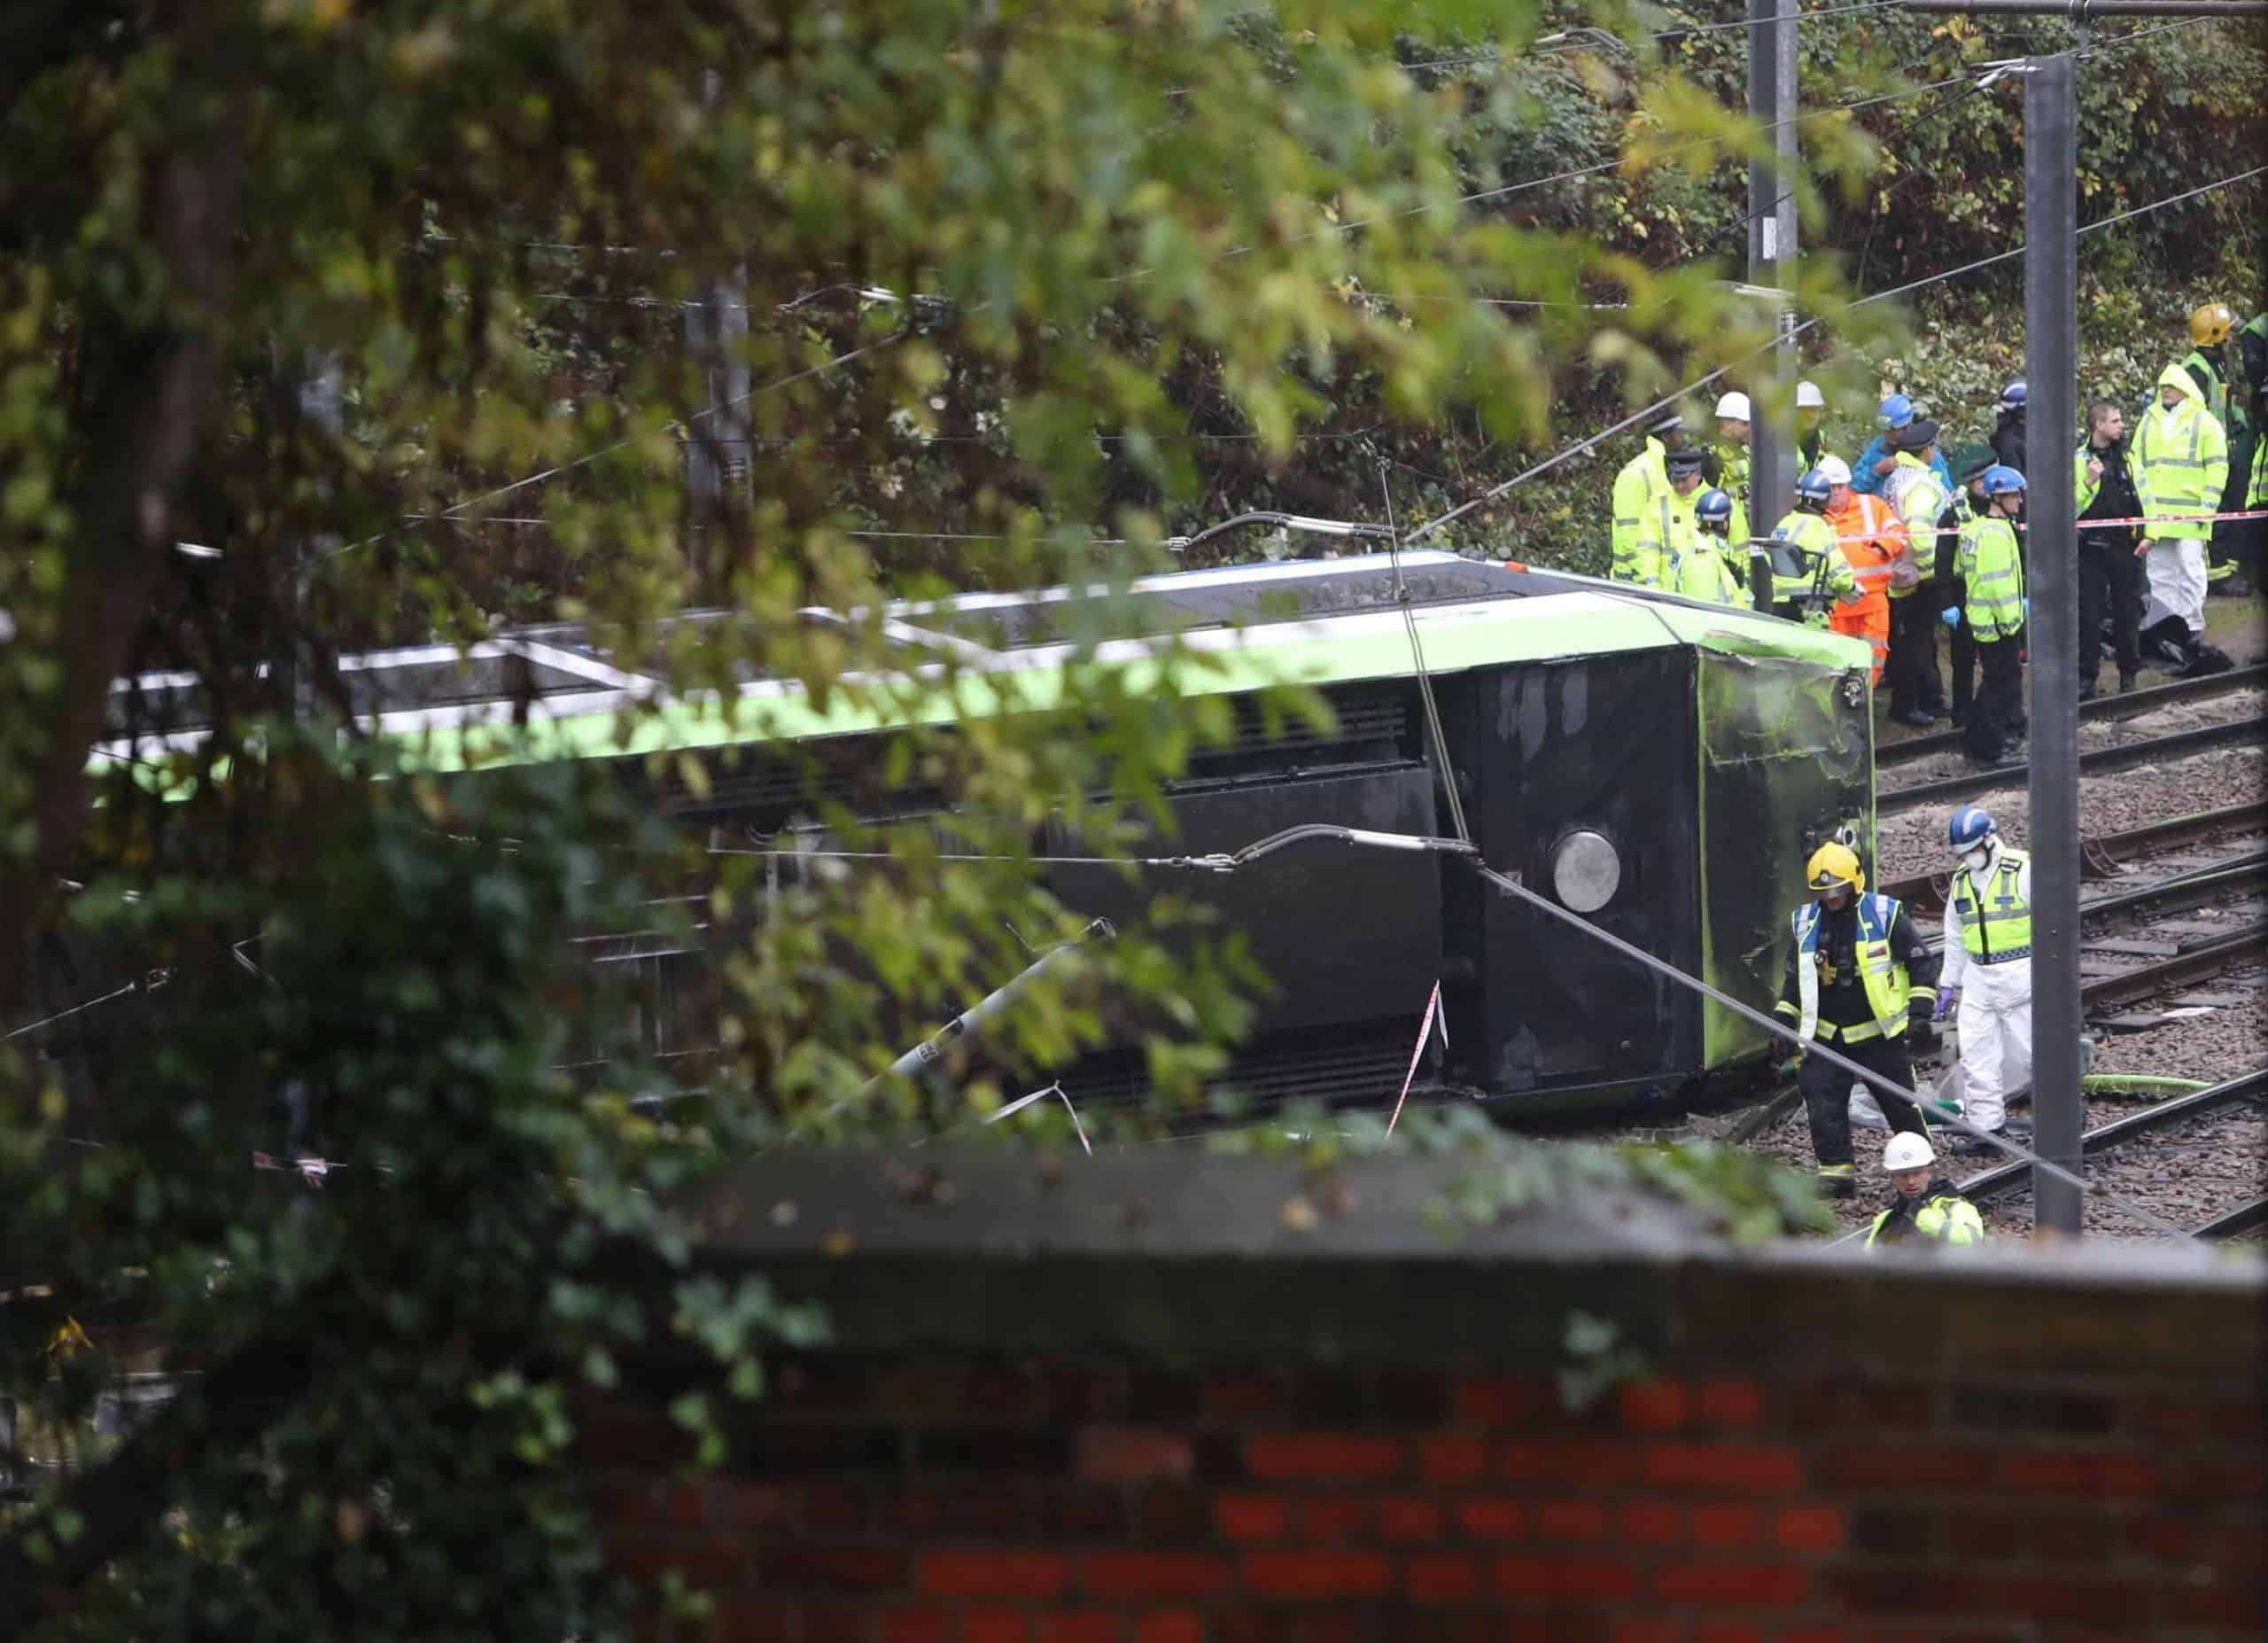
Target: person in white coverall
1988 963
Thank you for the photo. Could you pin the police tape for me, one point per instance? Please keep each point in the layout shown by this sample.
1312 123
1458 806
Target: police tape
1758 544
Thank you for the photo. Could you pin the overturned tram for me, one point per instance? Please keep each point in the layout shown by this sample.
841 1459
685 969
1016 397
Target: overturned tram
1660 767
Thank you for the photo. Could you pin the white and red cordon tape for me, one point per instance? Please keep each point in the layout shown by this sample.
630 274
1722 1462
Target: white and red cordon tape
2106 524
1417 1050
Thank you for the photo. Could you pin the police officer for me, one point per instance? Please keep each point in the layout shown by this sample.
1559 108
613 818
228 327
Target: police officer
1988 965
2009 430
2111 577
1920 1209
1699 566
1917 695
1665 522
1857 975
1820 576
1643 481
1993 608
1734 430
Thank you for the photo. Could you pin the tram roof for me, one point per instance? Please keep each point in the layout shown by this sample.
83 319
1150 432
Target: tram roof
1214 632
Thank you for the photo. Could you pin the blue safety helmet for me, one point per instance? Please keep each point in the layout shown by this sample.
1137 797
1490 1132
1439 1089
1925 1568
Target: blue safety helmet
2002 481
1969 828
1714 508
1814 488
2012 397
1894 412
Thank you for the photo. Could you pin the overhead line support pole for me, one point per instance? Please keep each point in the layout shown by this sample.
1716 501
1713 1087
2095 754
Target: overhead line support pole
1771 262
2051 211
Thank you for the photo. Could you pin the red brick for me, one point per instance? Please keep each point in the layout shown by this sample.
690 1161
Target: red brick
1571 1520
1077 1512
1327 1518
1081 1626
1505 1403
995 1626
963 1508
1232 1398
1725 1466
1809 1529
1563 1579
1637 1629
1905 1467
1251 1517
1440 1578
770 1619
1173 1514
1155 1574
1492 1518
1322 1455
2044 1469
1410 1518
996 1571
1168 1625
995 1391
1449 1460
1653 1405
850 1622
1317 1574
835 1568
1727 1633
704 1565
1649 1522
1132 1454
2123 1474
751 1506
914 1625
833 1505
1731 1403
1723 1525
1731 1585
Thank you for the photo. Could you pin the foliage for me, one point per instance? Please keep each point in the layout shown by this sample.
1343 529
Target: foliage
1097 226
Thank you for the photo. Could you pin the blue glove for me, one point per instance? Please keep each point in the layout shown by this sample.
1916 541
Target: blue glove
2027 607
1949 616
1944 1004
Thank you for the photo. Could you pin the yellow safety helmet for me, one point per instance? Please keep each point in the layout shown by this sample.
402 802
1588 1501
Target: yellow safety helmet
2211 323
1834 866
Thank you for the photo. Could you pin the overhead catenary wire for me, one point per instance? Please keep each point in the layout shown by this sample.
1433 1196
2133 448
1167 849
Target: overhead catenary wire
1657 406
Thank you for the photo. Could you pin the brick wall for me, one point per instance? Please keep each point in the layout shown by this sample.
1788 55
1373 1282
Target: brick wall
1822 1451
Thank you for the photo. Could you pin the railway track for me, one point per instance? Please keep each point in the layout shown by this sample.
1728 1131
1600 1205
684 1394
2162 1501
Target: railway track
2101 855
2102 710
2008 1180
2242 1221
2248 731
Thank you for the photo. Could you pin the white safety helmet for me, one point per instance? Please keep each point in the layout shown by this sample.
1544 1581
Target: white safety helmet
1838 471
1908 1151
1734 408
1809 398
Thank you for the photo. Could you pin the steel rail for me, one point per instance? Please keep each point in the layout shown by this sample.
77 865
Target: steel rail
2233 1223
2183 891
2101 709
2007 1178
2163 975
2097 761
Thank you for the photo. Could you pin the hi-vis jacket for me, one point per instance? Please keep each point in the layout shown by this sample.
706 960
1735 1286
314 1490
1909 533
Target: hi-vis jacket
1872 935
2181 461
1643 488
1914 490
1940 1214
1991 568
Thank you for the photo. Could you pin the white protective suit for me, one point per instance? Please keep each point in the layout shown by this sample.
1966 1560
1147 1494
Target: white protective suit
1995 1019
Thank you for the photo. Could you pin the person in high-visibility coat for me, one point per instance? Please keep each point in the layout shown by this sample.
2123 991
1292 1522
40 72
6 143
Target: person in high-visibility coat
1873 538
1987 965
1697 566
1819 579
1922 1210
2181 461
1723 526
1857 977
1665 521
1643 481
1734 429
2208 365
1917 693
1991 570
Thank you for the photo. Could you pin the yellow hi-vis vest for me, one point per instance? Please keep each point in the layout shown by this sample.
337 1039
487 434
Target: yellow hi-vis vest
1992 572
1919 501
2180 463
1943 1216
1827 575
1995 926
1884 977
1641 487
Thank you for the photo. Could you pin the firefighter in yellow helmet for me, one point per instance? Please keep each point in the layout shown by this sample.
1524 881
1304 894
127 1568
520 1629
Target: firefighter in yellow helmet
2211 325
1858 977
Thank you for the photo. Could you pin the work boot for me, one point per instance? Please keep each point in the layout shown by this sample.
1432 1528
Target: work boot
1838 1181
2089 690
2125 683
1915 717
2232 586
2200 659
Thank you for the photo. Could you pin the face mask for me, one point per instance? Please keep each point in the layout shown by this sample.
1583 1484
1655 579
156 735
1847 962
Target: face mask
1974 860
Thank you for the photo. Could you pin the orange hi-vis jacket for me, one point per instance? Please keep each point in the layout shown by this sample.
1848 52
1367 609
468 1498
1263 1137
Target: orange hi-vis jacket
1872 536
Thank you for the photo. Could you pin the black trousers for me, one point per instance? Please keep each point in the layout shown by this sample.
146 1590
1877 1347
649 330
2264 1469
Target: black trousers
1960 662
2110 589
1998 711
2232 540
1826 1090
1912 667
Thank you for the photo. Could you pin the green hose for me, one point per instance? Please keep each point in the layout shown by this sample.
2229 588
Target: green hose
2138 1084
